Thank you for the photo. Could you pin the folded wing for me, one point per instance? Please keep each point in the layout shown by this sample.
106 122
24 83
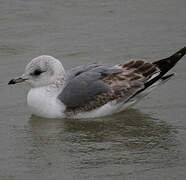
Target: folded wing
91 86
88 88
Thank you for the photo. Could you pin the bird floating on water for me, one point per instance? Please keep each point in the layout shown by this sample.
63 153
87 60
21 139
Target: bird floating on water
91 90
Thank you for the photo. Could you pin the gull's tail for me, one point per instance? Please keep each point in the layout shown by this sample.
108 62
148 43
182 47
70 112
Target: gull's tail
168 63
164 65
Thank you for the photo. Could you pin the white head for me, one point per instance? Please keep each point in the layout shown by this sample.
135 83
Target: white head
42 71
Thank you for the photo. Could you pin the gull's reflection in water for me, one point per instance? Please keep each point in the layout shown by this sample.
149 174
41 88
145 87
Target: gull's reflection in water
130 136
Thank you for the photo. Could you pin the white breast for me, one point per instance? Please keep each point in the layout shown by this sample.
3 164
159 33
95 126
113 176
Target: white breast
43 102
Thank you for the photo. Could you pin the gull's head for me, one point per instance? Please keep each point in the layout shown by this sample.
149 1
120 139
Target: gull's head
42 71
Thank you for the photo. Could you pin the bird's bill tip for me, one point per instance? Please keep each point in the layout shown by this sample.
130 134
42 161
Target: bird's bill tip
15 81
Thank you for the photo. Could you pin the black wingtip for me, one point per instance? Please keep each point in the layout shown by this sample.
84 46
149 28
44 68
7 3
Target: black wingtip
177 56
183 51
166 64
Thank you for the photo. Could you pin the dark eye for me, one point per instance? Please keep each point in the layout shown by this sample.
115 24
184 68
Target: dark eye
37 72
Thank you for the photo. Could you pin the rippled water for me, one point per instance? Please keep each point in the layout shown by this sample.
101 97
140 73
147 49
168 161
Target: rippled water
146 142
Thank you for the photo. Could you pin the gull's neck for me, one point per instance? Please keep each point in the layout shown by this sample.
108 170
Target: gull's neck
56 87
43 100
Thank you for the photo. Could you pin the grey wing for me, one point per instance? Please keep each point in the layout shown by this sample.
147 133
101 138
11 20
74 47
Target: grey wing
99 68
84 83
80 69
95 85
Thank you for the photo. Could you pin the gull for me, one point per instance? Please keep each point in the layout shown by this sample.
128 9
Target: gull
91 90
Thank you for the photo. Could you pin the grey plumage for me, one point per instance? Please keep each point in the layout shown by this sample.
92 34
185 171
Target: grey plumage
99 68
84 84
